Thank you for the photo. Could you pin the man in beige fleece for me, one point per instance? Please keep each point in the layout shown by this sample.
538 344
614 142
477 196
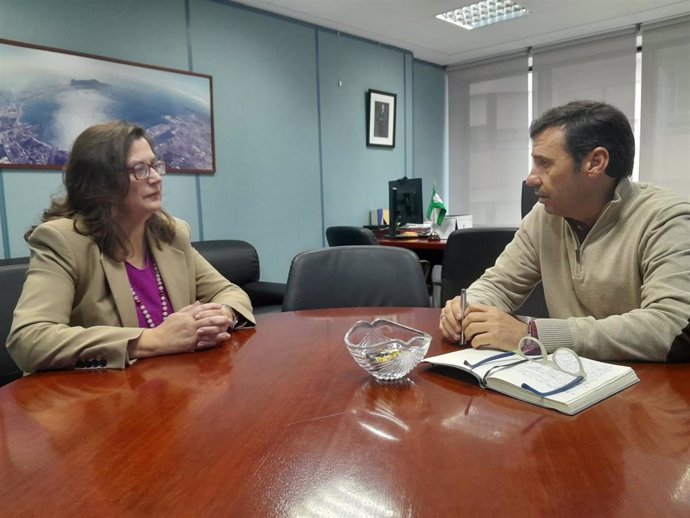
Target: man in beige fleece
613 255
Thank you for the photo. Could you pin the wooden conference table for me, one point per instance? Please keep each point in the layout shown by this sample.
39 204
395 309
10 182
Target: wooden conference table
280 421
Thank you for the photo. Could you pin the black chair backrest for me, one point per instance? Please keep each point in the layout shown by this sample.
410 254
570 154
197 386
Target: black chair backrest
529 198
469 252
343 236
12 275
236 260
355 276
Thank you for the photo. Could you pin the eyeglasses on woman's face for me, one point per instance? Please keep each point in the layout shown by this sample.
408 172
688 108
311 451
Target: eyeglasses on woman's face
142 170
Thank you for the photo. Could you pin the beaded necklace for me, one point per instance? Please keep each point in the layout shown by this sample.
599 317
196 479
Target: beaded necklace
161 293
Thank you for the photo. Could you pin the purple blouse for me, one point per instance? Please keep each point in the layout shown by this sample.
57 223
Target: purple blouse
144 284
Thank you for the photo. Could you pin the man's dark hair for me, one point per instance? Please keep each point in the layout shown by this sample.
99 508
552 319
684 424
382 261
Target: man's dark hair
590 124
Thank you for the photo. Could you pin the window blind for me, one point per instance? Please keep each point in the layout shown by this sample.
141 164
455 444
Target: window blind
599 69
665 106
488 139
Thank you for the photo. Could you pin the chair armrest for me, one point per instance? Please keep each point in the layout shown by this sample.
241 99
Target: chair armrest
426 268
436 273
264 293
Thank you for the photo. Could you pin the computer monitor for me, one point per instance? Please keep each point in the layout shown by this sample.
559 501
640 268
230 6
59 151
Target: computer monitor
405 202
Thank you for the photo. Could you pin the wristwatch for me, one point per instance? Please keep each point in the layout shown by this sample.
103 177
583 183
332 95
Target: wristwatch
233 317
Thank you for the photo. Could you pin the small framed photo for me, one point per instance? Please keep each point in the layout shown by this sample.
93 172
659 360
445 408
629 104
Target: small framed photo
380 119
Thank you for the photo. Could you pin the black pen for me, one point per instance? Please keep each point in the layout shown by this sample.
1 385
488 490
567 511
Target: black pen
463 306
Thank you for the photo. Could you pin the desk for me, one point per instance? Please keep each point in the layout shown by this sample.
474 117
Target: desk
280 421
432 251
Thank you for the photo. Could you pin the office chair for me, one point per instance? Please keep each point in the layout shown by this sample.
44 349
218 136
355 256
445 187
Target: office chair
345 236
534 306
528 199
12 275
355 276
469 252
238 261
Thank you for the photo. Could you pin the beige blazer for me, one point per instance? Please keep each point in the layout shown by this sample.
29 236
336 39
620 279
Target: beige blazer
76 308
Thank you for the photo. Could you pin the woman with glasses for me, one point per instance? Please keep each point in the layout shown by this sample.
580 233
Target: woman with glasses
112 276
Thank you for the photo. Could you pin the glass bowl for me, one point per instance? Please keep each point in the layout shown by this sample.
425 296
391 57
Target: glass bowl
385 349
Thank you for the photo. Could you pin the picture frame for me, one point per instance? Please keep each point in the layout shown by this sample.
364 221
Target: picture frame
380 116
49 96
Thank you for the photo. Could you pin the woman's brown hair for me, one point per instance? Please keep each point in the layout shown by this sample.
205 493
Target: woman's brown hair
96 180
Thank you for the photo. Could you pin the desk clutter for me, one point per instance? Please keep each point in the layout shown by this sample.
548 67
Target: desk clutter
409 231
379 217
452 223
379 221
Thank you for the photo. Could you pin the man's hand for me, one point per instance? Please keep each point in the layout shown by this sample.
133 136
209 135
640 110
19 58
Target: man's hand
488 325
451 320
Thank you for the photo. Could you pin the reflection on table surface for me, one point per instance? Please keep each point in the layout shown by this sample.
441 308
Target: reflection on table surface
280 421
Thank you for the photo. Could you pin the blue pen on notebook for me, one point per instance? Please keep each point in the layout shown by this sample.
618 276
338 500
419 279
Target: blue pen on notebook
463 307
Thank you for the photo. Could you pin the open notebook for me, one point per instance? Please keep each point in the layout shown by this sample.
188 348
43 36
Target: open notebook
509 374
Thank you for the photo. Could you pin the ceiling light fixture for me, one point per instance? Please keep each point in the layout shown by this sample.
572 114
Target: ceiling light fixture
483 13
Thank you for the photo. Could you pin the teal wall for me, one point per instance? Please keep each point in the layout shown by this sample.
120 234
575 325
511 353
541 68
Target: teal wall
289 104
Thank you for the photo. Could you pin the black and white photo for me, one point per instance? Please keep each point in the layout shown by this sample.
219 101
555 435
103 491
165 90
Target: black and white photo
380 119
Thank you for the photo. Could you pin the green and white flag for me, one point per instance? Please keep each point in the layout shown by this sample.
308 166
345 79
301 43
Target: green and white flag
436 204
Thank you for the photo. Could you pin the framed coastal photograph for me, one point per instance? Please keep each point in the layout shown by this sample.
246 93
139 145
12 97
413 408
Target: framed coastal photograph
48 96
380 119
